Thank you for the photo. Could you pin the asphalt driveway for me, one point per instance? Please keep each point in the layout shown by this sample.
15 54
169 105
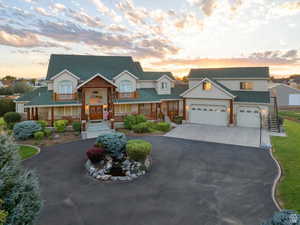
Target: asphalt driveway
191 183
244 136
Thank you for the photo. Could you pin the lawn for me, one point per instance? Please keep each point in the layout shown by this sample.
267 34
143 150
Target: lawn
290 114
27 151
287 151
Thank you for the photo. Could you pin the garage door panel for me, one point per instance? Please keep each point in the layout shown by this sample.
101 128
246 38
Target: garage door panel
211 115
248 117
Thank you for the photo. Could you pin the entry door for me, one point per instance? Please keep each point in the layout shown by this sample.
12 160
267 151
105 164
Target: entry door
208 114
96 112
248 117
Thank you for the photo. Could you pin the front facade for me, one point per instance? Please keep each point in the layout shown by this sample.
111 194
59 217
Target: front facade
87 88
287 96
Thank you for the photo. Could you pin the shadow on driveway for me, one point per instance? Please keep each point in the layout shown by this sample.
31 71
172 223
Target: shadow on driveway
191 183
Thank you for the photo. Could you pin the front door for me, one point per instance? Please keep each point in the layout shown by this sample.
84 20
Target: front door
96 112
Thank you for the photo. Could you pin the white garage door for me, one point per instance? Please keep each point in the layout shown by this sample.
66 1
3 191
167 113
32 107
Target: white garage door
211 115
248 117
294 99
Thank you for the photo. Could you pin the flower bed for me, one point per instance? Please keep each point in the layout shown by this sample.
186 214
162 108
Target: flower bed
112 158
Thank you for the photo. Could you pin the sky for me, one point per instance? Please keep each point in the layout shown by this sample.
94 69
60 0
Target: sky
164 35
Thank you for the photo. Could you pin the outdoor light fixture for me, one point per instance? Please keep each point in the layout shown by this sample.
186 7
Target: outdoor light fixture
104 106
187 107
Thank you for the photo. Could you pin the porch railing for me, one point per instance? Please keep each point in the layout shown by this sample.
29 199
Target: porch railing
65 97
127 95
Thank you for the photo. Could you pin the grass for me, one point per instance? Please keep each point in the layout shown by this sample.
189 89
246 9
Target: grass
287 151
27 151
290 114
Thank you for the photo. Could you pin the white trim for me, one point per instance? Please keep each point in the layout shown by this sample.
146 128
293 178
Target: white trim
44 106
64 71
16 101
125 71
96 75
207 79
251 103
163 76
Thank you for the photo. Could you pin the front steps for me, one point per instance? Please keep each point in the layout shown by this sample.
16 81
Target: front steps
96 128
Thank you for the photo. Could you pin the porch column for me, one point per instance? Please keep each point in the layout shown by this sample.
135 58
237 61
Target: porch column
184 109
83 105
52 116
28 113
36 113
156 104
32 113
231 111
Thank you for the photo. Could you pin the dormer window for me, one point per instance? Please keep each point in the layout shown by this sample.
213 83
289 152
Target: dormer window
126 86
206 86
164 85
246 85
65 87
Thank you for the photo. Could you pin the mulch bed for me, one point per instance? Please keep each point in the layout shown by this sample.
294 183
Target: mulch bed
131 133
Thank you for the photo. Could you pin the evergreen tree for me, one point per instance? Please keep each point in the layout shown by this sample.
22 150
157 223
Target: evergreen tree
19 188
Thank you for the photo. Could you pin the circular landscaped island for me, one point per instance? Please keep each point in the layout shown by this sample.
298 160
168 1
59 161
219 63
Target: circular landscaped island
114 158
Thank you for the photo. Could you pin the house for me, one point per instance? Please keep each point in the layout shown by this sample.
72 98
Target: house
287 96
1 84
86 88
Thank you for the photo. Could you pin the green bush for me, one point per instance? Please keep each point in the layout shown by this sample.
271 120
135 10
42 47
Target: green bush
11 118
60 125
138 150
132 120
48 132
163 126
141 128
178 119
26 129
39 135
43 124
6 105
113 143
76 126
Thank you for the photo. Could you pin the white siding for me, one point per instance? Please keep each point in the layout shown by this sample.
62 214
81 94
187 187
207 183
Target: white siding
20 107
159 89
50 85
126 76
62 77
146 84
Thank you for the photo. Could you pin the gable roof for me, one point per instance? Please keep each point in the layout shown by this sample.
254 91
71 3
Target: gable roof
233 72
217 84
93 77
125 71
65 71
155 75
86 66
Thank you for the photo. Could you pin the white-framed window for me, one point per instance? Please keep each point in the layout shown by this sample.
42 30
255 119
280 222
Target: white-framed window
65 87
164 85
126 86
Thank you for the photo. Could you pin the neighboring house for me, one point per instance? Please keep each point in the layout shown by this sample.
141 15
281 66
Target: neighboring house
1 84
85 87
287 96
7 83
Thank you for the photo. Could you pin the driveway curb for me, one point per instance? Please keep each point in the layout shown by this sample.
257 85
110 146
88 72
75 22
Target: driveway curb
276 181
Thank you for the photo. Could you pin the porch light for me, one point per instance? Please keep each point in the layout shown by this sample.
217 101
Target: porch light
112 119
187 107
105 106
87 108
263 111
228 109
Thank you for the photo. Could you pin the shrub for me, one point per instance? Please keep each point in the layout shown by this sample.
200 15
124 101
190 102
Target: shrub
178 119
26 129
11 118
95 154
280 120
163 126
48 132
132 120
284 217
6 105
39 135
138 150
113 143
141 128
43 124
60 125
129 121
76 126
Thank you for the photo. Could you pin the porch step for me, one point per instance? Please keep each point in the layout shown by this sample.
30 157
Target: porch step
94 129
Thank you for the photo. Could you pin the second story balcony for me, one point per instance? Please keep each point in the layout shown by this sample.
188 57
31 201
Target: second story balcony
127 95
65 97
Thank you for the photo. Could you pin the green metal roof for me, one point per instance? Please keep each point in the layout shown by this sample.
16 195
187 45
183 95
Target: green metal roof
155 75
139 66
45 97
150 95
86 66
252 96
233 72
28 96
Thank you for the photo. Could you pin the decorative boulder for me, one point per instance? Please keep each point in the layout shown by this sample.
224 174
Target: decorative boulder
113 143
26 129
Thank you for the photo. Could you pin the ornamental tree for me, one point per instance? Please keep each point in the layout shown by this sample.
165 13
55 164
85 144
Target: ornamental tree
19 188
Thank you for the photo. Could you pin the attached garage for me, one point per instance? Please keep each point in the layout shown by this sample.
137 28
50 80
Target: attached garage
209 114
248 117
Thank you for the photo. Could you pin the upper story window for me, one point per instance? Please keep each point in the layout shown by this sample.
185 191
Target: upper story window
65 87
246 85
126 86
206 86
164 85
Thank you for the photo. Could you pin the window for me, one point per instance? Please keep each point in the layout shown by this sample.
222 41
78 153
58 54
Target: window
65 87
126 86
246 85
207 86
123 109
164 85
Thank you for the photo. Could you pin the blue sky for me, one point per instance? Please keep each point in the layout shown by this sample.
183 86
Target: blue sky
163 35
